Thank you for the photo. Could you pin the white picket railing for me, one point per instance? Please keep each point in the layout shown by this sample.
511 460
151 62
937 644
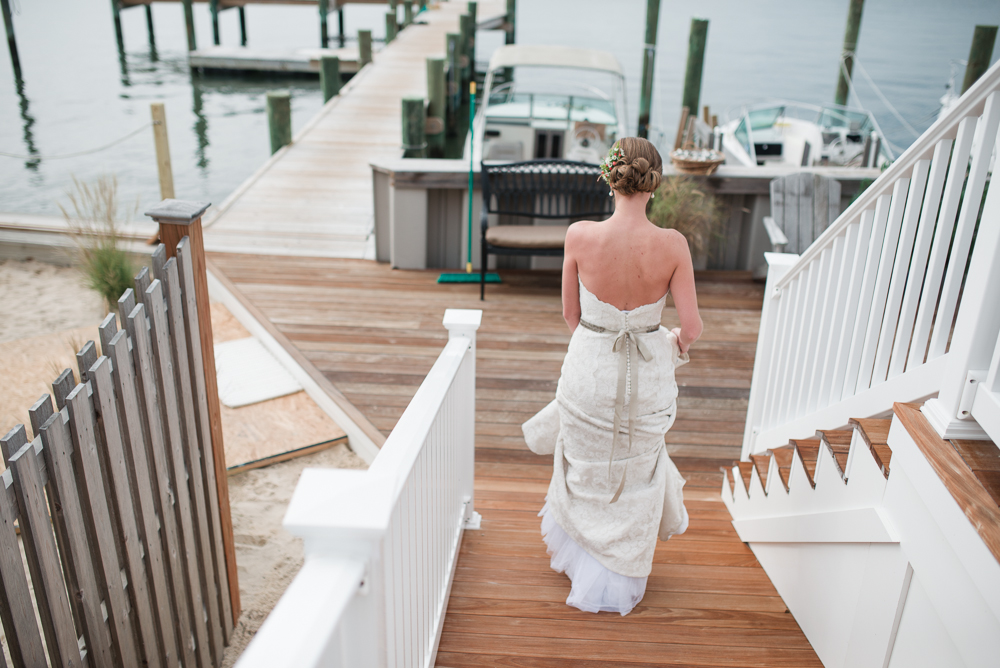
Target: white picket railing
381 545
894 302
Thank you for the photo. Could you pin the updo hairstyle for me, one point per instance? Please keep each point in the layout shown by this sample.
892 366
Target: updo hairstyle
640 171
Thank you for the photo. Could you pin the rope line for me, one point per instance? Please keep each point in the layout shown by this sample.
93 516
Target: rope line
78 153
885 100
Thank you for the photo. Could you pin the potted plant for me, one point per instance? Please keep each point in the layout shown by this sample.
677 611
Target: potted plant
682 204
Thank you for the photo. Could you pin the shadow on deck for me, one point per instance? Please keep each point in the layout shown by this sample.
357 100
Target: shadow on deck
375 333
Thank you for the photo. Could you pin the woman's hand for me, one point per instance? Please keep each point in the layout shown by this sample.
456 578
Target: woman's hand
676 331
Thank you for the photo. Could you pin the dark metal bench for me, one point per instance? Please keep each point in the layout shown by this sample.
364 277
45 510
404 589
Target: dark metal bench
549 189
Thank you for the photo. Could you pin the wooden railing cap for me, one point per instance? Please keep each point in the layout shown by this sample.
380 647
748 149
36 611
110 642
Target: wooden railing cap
177 211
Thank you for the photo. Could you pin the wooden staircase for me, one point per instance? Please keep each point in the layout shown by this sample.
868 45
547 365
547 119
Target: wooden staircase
881 533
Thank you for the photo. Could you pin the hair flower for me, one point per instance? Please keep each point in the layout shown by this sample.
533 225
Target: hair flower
616 156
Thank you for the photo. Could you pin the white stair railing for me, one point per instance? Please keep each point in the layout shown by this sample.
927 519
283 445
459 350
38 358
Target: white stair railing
897 300
381 545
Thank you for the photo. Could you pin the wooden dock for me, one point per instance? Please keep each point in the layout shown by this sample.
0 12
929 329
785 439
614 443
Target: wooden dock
375 332
245 59
314 197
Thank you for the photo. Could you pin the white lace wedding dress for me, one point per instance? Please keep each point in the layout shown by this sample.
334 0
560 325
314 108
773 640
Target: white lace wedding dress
604 509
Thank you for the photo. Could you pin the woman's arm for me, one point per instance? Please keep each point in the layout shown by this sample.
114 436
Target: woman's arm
683 291
570 281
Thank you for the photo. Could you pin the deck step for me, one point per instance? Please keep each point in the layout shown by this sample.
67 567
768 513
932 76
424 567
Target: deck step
839 442
783 458
745 468
983 459
761 463
728 478
808 449
875 433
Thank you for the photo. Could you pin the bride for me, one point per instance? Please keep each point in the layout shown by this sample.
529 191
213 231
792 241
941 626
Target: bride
614 488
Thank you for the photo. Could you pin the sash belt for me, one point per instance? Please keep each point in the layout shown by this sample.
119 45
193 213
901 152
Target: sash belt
626 342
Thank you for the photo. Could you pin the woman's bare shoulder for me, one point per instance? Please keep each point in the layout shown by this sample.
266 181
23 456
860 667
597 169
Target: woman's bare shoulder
580 232
670 238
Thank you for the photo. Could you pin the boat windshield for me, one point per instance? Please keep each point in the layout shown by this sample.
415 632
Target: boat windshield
762 119
508 102
854 121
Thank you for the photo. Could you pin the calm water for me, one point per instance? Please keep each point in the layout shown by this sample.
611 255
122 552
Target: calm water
78 94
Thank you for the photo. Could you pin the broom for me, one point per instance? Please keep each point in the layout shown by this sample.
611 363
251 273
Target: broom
468 276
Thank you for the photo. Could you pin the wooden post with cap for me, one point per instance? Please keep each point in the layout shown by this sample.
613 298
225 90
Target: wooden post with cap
179 219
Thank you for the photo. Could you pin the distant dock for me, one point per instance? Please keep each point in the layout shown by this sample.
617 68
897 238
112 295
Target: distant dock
246 59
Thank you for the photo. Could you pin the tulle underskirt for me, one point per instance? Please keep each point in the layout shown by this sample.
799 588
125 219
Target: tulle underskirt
594 587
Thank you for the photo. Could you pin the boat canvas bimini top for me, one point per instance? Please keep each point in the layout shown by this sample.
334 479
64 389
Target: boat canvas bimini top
550 102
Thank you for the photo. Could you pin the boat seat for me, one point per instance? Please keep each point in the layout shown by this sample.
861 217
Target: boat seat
547 189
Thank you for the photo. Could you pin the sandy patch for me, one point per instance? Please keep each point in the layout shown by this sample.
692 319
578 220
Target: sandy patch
37 297
267 556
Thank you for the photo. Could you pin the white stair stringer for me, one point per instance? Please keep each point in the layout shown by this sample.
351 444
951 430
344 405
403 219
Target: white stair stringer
872 577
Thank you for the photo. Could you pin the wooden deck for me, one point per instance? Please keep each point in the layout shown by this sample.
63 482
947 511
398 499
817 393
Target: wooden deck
314 197
375 333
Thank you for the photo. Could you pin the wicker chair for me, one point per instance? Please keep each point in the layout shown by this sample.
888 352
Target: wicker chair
548 189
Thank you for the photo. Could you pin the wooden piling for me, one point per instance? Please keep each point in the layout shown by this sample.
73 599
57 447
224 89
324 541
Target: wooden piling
465 29
213 8
364 47
279 118
407 13
685 111
454 97
116 13
509 24
341 37
847 56
695 64
648 59
149 28
11 42
329 76
414 124
979 54
324 9
473 11
189 24
243 25
390 26
436 103
163 166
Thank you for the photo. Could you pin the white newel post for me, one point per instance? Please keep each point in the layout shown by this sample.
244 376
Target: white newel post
975 337
778 265
465 323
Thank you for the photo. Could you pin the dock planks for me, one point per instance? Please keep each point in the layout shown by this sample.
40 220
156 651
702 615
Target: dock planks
314 197
375 332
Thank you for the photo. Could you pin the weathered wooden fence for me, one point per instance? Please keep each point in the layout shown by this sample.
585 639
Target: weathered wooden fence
115 497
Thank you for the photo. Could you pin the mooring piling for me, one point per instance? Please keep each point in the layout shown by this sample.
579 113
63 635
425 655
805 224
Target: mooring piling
11 42
189 24
213 9
149 29
414 124
341 37
329 76
324 9
390 25
466 31
243 25
163 167
509 23
407 13
279 118
436 101
364 47
454 94
648 59
695 64
847 56
979 54
116 13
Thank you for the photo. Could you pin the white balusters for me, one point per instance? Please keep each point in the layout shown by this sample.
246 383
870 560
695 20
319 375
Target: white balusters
897 300
394 529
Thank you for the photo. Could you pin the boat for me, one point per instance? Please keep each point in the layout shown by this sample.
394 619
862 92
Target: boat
803 135
550 102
